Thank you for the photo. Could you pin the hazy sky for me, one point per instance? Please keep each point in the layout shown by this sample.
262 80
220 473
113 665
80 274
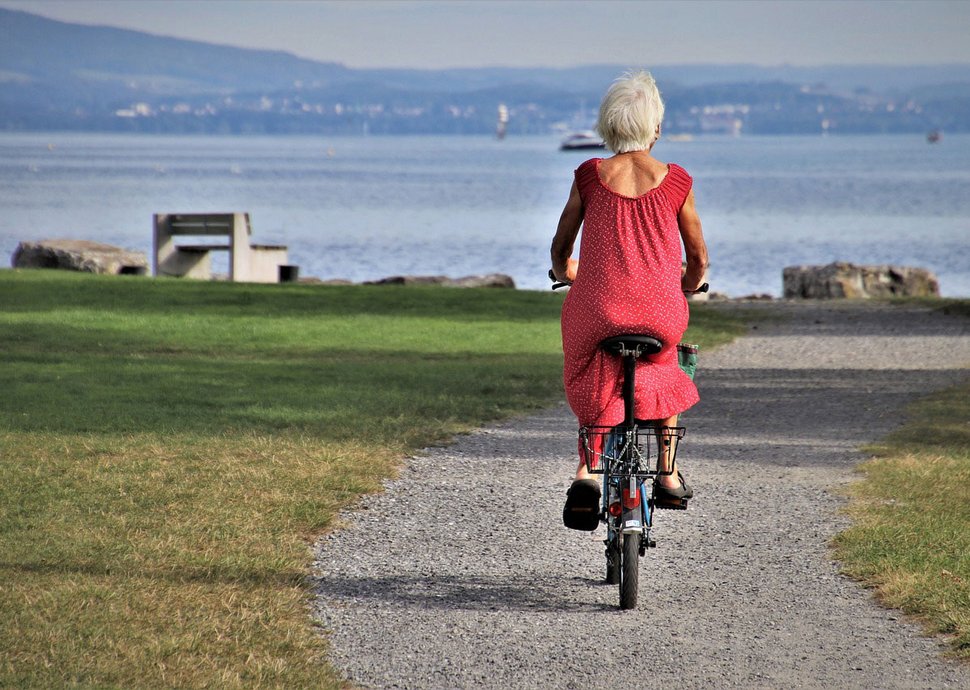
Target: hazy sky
552 33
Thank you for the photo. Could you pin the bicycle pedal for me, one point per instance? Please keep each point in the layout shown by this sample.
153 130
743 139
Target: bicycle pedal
671 505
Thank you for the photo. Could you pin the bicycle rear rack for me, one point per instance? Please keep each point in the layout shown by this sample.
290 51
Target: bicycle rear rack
606 445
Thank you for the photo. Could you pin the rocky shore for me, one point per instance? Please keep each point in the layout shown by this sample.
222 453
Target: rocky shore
489 280
838 280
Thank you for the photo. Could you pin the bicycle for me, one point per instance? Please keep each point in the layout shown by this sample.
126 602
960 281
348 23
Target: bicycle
622 455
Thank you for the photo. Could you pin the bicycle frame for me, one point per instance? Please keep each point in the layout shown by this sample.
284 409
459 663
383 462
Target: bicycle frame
622 454
624 475
626 510
624 460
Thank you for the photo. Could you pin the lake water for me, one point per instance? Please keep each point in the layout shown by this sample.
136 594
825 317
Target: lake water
369 207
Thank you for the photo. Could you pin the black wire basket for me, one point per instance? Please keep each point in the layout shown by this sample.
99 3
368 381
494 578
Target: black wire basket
604 445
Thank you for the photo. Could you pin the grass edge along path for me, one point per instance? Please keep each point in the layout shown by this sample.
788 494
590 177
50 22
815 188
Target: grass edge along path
170 449
910 537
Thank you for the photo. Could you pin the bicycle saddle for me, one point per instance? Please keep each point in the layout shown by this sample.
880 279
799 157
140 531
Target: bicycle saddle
642 344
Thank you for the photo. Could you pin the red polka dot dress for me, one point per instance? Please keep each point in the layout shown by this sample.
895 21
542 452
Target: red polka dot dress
628 282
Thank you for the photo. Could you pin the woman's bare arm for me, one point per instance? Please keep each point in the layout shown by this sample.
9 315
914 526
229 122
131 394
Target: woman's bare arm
570 221
694 246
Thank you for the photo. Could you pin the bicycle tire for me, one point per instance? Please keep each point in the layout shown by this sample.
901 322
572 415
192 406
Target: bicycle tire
630 571
613 558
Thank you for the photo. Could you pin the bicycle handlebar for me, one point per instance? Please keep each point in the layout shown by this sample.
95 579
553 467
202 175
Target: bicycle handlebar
556 284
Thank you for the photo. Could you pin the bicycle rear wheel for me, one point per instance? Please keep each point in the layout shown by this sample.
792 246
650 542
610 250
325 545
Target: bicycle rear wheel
629 571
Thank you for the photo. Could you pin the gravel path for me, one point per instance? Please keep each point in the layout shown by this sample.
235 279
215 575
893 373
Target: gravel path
461 575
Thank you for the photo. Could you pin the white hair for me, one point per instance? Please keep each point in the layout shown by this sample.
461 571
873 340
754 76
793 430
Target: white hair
631 113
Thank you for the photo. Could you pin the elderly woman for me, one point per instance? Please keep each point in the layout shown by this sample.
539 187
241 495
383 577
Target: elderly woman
635 212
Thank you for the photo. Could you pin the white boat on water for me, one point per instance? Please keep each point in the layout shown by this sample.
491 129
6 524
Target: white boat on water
586 139
503 121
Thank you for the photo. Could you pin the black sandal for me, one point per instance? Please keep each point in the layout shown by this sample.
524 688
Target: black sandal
672 498
582 509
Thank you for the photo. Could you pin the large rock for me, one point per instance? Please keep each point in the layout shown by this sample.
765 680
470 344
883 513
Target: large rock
844 280
490 280
79 255
495 280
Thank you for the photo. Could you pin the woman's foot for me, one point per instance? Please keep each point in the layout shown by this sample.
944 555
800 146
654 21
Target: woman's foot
669 492
582 509
675 485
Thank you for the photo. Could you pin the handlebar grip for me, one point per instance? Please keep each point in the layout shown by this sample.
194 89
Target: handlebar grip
556 284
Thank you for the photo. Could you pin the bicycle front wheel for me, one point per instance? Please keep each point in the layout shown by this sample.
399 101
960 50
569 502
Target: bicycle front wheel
629 571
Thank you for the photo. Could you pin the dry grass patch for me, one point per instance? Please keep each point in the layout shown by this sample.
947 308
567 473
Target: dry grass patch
911 536
151 562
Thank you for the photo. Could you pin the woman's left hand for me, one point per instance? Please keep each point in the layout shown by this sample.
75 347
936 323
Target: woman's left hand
572 265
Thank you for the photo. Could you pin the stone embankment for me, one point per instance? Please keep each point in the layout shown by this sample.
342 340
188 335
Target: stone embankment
489 280
842 280
498 280
79 255
96 257
839 280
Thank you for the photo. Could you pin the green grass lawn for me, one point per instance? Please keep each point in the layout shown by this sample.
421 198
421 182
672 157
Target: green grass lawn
169 449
